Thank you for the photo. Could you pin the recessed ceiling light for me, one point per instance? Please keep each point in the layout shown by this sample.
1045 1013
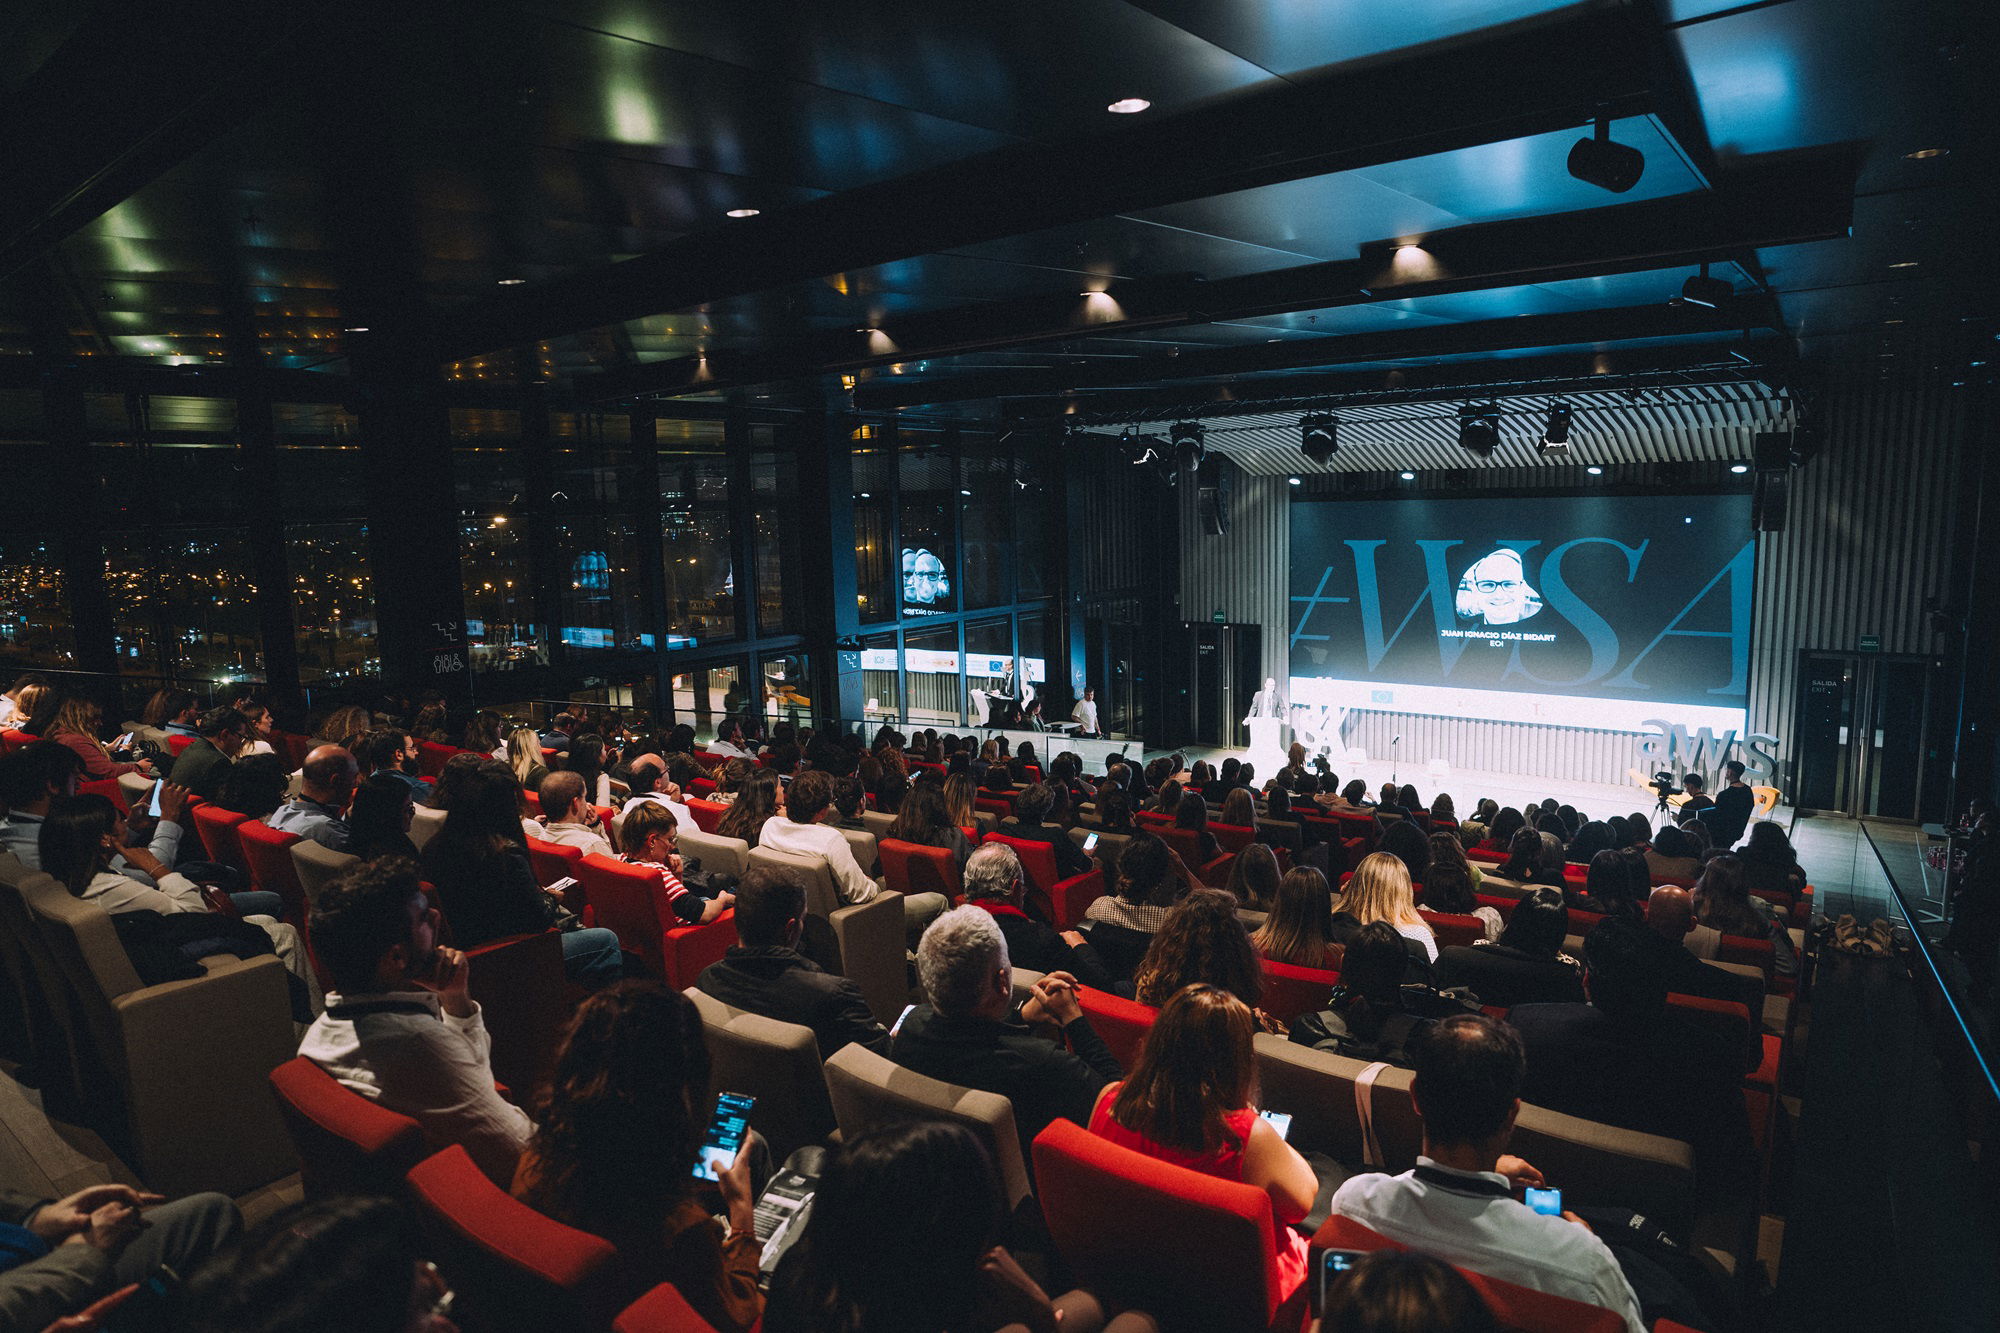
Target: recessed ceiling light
744 212
512 282
1409 476
358 328
1293 480
1128 106
1739 468
1904 263
1594 470
1924 154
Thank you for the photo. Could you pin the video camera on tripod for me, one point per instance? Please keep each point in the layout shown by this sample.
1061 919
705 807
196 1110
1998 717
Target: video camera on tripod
1664 783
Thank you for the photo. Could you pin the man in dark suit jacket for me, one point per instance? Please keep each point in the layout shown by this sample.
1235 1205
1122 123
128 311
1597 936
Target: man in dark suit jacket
1030 808
202 766
993 881
1627 1059
766 974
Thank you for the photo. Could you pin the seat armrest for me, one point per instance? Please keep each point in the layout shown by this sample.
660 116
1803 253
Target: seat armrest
197 1057
690 948
1070 898
870 940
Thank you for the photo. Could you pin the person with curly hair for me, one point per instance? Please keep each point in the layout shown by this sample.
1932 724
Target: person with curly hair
617 1132
1201 940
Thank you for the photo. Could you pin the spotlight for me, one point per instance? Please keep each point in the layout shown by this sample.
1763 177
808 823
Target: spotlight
1188 448
1293 480
1601 162
1739 468
1555 435
1407 476
1705 291
1594 470
1319 437
1479 429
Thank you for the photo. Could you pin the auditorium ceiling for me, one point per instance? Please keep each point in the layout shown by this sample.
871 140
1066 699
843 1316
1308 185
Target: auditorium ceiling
940 217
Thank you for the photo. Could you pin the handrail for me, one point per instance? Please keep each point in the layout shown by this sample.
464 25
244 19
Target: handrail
1966 1034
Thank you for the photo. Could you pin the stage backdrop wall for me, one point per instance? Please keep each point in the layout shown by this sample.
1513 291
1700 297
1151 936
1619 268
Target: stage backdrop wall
1871 535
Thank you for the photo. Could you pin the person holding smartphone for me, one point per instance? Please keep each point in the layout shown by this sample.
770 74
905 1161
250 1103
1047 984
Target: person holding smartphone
86 1248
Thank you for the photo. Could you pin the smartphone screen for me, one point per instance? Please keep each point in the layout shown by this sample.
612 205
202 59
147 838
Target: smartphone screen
1279 1120
725 1135
1548 1202
154 808
125 742
1089 843
1334 1265
897 1026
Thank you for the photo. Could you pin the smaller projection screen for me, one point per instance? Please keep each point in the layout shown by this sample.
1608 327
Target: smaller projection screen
1596 611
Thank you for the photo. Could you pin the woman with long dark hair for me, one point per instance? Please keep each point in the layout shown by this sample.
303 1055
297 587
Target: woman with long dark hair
1528 860
1526 965
1770 862
378 821
1253 878
1451 884
1500 831
1200 940
925 821
756 804
1408 844
617 1135
1615 885
1191 816
1590 839
585 758
1722 900
1299 930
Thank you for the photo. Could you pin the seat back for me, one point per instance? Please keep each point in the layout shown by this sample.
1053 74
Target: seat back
432 757
1451 928
1514 1307
424 824
110 789
863 845
731 856
661 1310
346 1143
554 860
869 1091
176 743
1290 991
1318 1089
215 830
909 867
707 814
11 741
877 822
316 866
38 996
522 993
268 854
1137 1230
1602 1165
863 942
1122 1023
777 1063
1760 954
1110 846
1038 861
632 902
511 1267
1233 837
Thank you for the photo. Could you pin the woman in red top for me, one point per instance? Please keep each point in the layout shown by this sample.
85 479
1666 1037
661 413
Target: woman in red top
1188 1102
75 725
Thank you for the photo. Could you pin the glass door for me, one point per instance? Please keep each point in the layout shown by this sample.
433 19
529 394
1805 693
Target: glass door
1860 735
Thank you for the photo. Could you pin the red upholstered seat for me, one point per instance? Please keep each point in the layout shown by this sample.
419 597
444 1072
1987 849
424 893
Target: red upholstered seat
534 803
109 789
1063 900
707 814
1000 807
1451 928
909 867
1233 837
632 901
523 999
11 741
1760 954
1485 857
1133 1228
1290 991
1152 819
175 744
1213 871
347 1144
553 861
293 748
1358 824
1499 903
662 1310
511 1267
267 854
431 757
1122 1023
1513 1307
215 829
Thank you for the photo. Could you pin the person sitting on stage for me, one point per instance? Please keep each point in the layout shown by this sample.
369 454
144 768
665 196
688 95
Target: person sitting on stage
1380 891
1528 861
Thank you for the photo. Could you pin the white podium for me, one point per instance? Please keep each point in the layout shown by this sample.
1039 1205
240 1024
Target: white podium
1267 746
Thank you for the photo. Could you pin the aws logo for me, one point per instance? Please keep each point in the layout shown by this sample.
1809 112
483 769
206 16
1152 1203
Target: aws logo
1671 746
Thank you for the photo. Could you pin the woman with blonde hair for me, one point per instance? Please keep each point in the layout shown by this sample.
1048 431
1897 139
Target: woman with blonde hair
75 724
343 724
524 756
958 791
1239 809
1190 1101
1299 930
1380 891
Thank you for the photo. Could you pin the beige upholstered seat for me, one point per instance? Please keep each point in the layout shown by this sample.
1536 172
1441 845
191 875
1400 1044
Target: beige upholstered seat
729 856
318 865
424 824
866 855
188 1060
877 822
869 1091
1110 846
862 942
777 1063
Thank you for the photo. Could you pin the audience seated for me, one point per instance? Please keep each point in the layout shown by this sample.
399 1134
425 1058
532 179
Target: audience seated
849 796
326 781
1200 941
765 973
479 863
72 1252
650 836
1500 831
202 767
802 829
1150 879
1299 929
568 817
1188 1101
1374 1013
1380 891
524 756
968 1033
1529 860
12 714
391 751
1669 920
1402 1291
925 821
561 728
651 780
1457 1203
76 723
31 778
1769 863
1191 816
617 1135
1615 885
1451 883
1627 1058
587 759
1526 964
254 786
993 881
1722 901
1672 855
753 797
305 1268
378 819
1253 878
1031 810
1594 837
399 1027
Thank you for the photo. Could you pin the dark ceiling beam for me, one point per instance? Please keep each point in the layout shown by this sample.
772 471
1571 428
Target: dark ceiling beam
1537 76
137 88
1781 202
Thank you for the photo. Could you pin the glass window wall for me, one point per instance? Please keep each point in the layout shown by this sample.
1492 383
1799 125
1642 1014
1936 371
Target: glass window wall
876 563
35 628
699 570
787 690
498 569
931 669
333 601
704 696
927 511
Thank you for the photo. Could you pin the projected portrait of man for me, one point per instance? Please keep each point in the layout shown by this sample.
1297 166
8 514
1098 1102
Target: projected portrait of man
924 580
1495 591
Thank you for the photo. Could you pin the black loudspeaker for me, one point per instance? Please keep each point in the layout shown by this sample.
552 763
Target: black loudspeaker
1770 495
1215 478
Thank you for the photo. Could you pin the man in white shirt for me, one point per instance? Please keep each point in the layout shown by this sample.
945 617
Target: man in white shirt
399 1027
649 782
1085 713
802 828
729 742
568 818
1458 1203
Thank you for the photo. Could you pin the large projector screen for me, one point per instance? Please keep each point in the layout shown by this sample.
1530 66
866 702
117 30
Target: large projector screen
1598 611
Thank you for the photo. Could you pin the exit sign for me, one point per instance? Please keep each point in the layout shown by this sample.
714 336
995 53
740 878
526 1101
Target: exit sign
1219 618
1870 643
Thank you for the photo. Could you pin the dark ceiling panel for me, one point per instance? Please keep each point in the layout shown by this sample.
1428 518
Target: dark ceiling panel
1291 36
1039 68
1120 247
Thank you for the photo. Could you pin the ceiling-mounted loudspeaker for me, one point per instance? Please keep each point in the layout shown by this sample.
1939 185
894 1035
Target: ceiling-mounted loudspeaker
1608 165
1770 498
1771 451
1216 478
